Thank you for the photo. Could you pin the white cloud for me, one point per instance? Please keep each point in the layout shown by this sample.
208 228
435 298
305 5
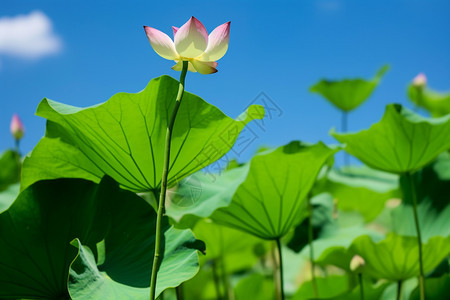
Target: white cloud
28 36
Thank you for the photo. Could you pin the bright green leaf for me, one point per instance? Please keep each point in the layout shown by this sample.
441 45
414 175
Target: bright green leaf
437 103
397 257
272 198
124 138
348 94
401 142
8 196
329 286
200 194
255 286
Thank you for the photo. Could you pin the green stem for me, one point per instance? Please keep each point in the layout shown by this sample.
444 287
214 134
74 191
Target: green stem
162 195
311 249
216 280
361 285
280 268
399 289
344 125
179 292
225 279
419 236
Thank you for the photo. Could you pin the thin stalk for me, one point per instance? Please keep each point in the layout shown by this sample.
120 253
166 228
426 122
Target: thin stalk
344 126
162 195
361 286
17 146
280 269
419 236
225 280
216 280
179 292
399 289
311 249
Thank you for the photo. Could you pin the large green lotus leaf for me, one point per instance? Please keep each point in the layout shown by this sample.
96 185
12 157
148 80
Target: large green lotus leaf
348 94
332 245
125 273
396 257
255 286
124 137
10 166
8 196
361 189
36 231
272 198
401 142
435 288
327 287
238 250
200 194
437 103
432 189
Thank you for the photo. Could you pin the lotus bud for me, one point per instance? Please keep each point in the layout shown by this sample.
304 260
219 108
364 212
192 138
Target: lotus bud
17 128
420 81
357 264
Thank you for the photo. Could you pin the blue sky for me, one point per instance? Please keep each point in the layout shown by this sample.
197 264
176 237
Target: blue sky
279 48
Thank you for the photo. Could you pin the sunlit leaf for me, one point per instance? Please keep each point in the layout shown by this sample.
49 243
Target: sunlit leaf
255 286
236 249
272 198
200 194
124 138
437 103
348 94
396 257
8 196
371 292
401 142
361 189
329 286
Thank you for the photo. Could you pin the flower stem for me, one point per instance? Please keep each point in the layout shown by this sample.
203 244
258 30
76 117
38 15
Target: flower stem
162 195
311 249
361 285
399 289
280 270
216 280
419 236
344 125
179 292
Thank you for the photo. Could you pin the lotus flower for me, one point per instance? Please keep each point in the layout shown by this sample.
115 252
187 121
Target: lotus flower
17 128
191 43
420 80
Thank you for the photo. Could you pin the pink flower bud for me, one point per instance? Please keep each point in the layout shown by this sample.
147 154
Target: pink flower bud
420 80
17 128
357 264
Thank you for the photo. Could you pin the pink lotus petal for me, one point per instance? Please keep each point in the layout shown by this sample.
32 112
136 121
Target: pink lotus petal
175 29
161 43
204 67
217 43
16 127
191 39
